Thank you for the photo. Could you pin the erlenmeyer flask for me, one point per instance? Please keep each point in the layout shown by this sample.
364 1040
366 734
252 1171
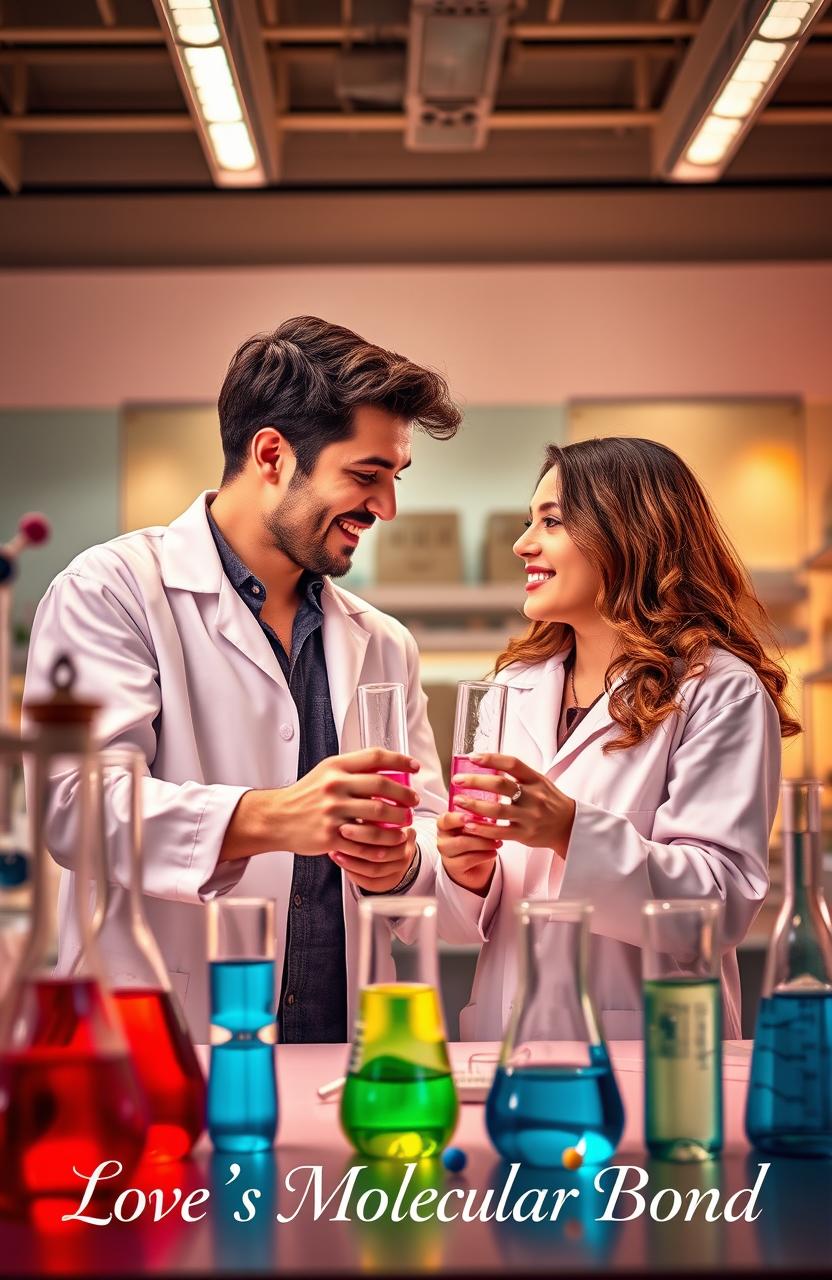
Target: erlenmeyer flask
154 1023
399 1099
68 1089
554 1100
789 1106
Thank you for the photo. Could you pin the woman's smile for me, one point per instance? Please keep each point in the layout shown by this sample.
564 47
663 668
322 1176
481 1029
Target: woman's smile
537 575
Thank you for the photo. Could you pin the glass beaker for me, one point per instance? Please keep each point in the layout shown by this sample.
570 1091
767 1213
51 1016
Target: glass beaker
680 960
399 1099
69 1095
382 722
478 728
154 1023
554 1101
789 1104
242 1088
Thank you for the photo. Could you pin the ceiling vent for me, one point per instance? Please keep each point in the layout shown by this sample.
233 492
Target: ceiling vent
454 58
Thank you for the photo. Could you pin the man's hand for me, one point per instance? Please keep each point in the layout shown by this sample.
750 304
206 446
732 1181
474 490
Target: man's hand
379 867
331 809
468 860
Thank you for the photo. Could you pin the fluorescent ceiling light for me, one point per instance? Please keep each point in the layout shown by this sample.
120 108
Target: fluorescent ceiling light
739 56
218 54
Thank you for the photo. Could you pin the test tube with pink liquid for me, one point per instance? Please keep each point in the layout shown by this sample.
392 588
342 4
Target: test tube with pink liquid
478 728
382 722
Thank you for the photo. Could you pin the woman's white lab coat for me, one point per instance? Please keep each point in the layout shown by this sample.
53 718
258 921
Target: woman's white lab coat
185 674
686 813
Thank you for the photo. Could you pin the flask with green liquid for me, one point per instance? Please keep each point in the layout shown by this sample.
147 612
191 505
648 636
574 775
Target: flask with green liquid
682 1029
399 1100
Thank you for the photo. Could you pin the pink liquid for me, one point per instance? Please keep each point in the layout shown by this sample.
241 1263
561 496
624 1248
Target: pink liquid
464 764
404 779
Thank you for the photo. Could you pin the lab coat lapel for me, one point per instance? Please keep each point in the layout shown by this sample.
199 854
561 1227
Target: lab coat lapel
191 562
237 623
345 644
536 708
533 708
597 721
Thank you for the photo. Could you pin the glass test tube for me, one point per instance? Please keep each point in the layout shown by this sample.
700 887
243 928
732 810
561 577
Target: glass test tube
382 722
682 1029
242 1088
478 727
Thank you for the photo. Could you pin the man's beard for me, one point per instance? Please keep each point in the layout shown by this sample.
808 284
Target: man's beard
300 530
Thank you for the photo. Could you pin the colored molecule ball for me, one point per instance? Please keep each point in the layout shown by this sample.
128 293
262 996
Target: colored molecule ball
572 1159
454 1159
6 568
34 527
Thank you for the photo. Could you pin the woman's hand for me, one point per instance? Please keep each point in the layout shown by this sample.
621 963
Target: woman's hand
468 860
540 817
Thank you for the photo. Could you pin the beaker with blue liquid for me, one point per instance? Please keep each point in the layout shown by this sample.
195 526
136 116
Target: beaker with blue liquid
242 1087
789 1104
554 1101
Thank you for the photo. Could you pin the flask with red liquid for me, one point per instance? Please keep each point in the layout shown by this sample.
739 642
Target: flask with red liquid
157 1033
69 1096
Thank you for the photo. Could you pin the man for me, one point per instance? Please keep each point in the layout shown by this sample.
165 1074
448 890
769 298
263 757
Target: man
221 649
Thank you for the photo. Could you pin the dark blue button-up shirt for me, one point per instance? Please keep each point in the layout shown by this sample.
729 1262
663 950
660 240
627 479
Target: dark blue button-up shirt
313 990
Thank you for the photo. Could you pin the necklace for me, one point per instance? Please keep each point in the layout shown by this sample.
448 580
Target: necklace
572 683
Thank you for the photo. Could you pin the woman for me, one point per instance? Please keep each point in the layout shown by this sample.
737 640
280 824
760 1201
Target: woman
642 742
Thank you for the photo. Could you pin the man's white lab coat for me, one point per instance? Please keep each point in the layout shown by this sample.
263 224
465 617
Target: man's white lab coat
686 813
185 674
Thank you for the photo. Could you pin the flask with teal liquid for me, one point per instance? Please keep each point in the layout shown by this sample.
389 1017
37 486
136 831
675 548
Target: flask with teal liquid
789 1104
554 1102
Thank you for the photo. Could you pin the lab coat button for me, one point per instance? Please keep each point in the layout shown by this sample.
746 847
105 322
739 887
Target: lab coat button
297 900
290 999
286 732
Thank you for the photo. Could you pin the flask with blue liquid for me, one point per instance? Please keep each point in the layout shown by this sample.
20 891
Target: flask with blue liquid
789 1105
554 1102
242 1088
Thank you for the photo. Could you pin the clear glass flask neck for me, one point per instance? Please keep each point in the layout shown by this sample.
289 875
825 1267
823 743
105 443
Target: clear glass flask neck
553 1015
800 951
122 934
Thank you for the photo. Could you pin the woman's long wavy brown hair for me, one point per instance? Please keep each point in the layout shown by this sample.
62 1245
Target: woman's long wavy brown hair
672 583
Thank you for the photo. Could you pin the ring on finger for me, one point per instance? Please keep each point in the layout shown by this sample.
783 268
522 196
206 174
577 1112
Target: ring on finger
518 795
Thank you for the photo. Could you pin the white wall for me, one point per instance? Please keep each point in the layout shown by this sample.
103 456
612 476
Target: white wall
504 335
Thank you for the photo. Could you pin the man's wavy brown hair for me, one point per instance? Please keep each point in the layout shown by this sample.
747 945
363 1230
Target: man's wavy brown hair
672 584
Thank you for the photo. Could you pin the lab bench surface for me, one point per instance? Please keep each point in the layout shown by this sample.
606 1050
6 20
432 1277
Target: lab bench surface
792 1230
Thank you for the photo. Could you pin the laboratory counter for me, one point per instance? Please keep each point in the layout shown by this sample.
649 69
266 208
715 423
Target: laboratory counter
258 1215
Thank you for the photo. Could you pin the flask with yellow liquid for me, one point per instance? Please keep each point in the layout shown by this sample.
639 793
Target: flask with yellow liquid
399 1100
